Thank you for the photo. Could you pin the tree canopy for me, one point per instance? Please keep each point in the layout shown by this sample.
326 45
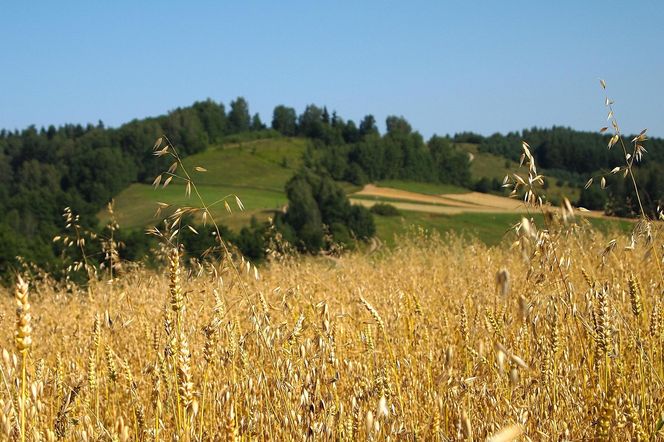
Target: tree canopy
317 204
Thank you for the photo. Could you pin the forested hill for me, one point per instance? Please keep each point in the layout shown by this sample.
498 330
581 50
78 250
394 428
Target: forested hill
567 149
577 156
44 170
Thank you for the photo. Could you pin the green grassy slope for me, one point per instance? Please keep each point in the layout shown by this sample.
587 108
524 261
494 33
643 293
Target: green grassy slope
136 205
255 171
489 228
259 164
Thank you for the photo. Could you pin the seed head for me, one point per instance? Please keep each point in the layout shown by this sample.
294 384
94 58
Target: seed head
23 334
177 299
635 296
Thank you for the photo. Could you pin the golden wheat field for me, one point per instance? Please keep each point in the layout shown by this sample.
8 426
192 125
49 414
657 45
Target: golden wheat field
555 337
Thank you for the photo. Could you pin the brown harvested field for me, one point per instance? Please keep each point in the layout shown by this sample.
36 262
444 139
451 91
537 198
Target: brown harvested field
451 204
488 200
388 192
431 208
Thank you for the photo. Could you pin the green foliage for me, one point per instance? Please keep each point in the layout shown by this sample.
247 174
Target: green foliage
572 156
257 123
368 126
13 245
482 185
593 198
82 167
250 241
238 117
213 119
621 199
399 154
284 120
468 137
303 213
315 202
385 209
311 122
246 137
396 125
486 185
360 222
452 165
137 245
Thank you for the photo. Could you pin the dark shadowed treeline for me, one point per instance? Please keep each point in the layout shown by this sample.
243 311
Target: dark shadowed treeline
577 156
567 149
317 206
360 154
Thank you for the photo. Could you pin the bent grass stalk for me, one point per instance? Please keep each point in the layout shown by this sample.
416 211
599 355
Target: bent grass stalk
629 162
23 341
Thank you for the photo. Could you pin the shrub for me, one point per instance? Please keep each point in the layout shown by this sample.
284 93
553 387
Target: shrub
483 185
315 201
384 209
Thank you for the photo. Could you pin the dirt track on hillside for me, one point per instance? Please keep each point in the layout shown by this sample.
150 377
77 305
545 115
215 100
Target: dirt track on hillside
450 204
429 208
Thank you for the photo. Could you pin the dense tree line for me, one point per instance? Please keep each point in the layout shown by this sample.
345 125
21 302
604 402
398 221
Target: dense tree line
359 154
317 206
619 197
575 156
44 170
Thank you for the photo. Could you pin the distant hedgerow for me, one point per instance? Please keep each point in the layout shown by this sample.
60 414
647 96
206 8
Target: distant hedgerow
385 209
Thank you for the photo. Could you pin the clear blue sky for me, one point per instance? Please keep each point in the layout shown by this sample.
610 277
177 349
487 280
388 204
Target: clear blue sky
446 66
